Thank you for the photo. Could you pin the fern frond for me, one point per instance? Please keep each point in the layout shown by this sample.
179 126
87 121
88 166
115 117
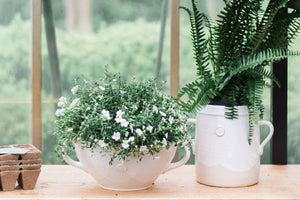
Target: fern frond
257 39
261 58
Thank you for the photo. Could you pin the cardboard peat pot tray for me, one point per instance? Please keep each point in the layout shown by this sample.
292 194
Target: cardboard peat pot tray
19 164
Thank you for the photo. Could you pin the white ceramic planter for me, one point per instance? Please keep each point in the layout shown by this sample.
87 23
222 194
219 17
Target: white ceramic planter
223 156
129 175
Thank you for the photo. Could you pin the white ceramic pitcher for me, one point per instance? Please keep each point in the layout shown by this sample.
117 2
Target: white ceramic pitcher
223 156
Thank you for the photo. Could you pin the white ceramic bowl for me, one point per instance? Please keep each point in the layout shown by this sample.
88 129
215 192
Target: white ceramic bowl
128 175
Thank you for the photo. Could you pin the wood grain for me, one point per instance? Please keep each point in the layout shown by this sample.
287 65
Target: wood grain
36 73
67 182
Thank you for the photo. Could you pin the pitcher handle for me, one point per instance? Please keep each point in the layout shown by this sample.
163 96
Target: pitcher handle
266 140
180 162
72 162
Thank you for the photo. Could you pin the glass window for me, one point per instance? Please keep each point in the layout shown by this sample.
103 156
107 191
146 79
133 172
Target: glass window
294 106
122 34
15 75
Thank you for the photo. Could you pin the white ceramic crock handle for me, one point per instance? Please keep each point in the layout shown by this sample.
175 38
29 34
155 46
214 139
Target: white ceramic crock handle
180 162
72 162
271 127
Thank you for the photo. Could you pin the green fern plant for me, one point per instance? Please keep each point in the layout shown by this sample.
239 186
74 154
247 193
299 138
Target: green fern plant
233 55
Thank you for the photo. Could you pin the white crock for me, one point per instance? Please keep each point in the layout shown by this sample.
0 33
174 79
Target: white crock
128 175
223 156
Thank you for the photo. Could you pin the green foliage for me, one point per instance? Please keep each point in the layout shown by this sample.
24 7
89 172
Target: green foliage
240 46
124 118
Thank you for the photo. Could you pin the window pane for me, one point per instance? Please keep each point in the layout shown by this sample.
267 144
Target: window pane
294 107
123 34
15 76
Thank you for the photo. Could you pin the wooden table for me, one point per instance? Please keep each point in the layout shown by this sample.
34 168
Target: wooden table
67 182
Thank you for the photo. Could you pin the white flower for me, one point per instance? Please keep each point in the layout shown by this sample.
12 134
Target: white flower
164 142
75 89
62 101
114 80
149 128
131 139
124 123
101 88
122 92
102 143
171 119
100 97
60 112
105 115
116 136
182 128
143 149
125 144
118 119
120 113
74 103
88 108
126 134
162 113
139 131
135 107
166 135
155 109
69 129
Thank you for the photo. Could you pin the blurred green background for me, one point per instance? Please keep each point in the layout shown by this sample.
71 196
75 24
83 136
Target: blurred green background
90 34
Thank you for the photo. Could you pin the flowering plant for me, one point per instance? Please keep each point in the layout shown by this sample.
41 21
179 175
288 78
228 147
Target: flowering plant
126 119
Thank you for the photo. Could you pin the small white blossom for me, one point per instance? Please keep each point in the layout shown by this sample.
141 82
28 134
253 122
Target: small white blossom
100 97
131 139
131 128
149 128
118 119
171 119
139 131
125 144
164 142
155 109
122 92
114 80
135 107
105 115
124 123
166 135
126 134
181 128
143 149
162 113
95 140
101 88
75 89
74 103
102 143
62 101
69 129
88 108
60 112
120 113
116 136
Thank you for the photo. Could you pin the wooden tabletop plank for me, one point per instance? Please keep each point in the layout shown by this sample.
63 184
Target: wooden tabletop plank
67 182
